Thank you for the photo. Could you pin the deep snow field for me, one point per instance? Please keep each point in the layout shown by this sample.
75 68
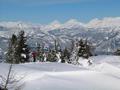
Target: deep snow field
103 74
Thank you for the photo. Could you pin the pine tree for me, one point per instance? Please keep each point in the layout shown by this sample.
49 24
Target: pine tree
57 46
53 53
10 56
74 52
22 49
65 55
40 53
117 52
52 56
80 49
38 50
84 49
57 53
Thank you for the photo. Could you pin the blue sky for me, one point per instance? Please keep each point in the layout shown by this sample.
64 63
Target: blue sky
46 11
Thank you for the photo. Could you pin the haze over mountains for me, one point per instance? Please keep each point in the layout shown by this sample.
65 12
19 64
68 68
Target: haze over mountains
103 34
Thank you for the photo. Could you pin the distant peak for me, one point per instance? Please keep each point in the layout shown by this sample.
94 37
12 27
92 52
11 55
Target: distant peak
105 22
72 21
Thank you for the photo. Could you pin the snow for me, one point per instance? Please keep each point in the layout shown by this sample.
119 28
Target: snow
83 62
54 25
58 57
104 74
23 55
105 22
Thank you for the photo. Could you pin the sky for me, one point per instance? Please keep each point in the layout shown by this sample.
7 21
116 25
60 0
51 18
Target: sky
46 11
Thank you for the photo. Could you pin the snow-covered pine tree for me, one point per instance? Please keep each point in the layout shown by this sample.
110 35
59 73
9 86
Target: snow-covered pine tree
22 49
58 55
74 52
38 51
10 56
57 45
65 55
55 53
56 49
84 49
52 56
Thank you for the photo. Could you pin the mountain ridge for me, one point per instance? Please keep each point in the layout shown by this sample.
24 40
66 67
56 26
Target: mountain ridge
104 33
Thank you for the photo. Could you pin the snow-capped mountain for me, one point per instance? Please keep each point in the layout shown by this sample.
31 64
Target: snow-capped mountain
105 22
104 34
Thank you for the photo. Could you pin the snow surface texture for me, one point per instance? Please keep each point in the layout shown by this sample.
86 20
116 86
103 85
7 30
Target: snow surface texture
104 74
104 34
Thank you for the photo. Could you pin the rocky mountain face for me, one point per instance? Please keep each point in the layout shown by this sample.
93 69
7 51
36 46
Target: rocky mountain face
103 35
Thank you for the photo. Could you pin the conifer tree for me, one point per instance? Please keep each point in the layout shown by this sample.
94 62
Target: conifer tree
22 49
65 55
84 49
40 53
57 46
117 52
74 52
52 56
10 56
38 50
53 53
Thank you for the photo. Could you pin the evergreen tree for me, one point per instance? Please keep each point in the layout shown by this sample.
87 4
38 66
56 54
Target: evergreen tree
84 49
38 50
10 56
52 56
22 49
80 49
74 53
57 46
57 53
65 56
117 52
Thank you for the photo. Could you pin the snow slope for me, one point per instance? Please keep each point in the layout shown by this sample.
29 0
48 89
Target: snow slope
104 74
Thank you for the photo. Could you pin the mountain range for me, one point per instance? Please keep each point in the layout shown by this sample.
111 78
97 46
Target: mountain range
102 34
